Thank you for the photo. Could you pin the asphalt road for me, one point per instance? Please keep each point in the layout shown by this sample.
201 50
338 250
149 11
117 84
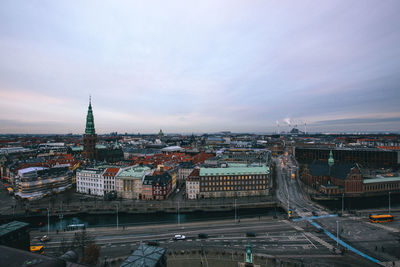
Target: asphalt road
279 238
380 241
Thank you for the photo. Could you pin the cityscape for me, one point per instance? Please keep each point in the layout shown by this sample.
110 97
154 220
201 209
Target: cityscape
199 134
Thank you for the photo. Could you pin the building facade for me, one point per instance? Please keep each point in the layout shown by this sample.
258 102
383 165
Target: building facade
128 182
90 181
367 157
193 185
348 179
109 179
157 187
37 182
234 181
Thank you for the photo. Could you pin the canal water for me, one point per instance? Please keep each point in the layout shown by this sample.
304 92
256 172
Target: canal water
110 220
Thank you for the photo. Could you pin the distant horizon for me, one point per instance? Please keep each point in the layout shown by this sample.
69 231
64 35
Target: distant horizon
213 133
199 67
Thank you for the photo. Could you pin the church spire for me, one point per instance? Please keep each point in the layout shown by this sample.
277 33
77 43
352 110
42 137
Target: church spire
89 119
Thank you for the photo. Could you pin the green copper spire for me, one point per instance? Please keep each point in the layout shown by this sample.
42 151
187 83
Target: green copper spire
90 120
331 161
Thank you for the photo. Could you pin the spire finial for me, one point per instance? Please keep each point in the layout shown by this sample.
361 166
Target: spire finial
90 99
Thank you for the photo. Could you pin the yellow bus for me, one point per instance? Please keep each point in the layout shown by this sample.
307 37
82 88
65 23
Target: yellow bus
37 249
380 218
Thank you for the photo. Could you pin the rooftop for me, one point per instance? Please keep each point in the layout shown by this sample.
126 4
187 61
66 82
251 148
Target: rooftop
234 171
338 170
133 172
381 180
11 226
144 256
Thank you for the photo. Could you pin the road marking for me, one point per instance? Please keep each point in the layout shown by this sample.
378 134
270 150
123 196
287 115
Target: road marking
113 246
319 240
309 240
122 245
294 226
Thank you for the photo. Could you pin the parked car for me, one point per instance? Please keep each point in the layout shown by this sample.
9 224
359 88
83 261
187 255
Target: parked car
45 238
179 237
314 213
203 235
250 234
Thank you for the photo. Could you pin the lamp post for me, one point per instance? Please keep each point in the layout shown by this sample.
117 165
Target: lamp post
179 219
337 233
235 210
48 221
389 202
116 205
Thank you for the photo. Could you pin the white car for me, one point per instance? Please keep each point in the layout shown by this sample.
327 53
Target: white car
179 237
45 238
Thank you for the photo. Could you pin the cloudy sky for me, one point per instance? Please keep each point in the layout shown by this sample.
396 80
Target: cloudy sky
199 66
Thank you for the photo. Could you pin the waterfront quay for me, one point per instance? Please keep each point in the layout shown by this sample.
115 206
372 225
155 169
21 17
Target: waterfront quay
72 203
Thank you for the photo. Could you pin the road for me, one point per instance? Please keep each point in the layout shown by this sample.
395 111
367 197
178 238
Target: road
289 191
276 237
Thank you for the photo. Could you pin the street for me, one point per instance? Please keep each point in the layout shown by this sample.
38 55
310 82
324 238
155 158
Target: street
280 238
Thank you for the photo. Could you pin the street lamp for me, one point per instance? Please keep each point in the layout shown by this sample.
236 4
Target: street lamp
179 219
389 202
337 233
116 205
235 210
48 221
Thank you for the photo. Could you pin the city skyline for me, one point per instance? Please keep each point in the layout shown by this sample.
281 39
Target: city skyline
204 67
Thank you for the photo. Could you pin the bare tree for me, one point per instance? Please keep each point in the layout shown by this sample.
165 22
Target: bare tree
82 240
92 253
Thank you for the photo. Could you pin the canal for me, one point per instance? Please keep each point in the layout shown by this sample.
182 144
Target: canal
110 220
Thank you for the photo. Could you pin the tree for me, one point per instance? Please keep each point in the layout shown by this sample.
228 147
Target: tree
92 253
82 240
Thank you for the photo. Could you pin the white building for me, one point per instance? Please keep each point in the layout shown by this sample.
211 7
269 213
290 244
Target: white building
193 185
109 179
90 181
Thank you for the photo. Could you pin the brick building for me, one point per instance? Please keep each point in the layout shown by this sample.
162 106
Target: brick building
367 157
157 187
234 181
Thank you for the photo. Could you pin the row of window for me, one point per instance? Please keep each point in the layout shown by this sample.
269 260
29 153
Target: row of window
88 184
382 187
232 183
233 188
235 177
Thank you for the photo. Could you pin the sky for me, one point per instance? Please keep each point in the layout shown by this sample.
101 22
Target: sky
200 66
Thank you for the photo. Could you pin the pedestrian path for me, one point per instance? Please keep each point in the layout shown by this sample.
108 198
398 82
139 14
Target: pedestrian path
314 217
319 240
342 243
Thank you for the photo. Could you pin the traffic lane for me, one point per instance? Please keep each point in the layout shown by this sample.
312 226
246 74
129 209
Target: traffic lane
284 238
259 227
284 247
260 233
